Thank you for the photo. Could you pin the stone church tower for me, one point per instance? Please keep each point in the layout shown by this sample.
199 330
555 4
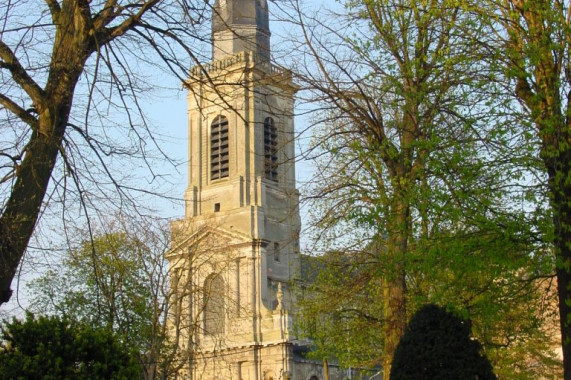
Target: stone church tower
236 252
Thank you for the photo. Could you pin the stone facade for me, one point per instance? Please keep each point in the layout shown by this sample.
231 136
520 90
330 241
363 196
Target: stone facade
236 252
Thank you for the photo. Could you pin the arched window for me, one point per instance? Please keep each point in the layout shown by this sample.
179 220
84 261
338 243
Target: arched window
219 155
270 149
214 308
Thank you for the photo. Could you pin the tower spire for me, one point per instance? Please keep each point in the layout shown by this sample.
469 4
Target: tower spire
240 25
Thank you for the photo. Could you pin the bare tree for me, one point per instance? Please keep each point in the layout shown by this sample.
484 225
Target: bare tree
67 69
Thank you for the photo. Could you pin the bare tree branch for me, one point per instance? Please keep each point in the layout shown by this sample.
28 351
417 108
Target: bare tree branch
19 111
20 75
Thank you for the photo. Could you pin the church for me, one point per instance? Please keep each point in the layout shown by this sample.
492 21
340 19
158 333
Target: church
236 253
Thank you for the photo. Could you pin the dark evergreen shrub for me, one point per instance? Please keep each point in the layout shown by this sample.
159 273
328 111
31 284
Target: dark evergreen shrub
437 346
51 348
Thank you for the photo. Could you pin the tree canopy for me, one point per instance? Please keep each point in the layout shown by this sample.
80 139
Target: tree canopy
428 187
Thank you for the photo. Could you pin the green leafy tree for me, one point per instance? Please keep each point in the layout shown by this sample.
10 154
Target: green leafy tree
54 348
342 317
420 184
511 316
436 346
535 50
117 281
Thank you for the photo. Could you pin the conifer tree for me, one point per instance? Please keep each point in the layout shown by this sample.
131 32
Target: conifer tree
437 345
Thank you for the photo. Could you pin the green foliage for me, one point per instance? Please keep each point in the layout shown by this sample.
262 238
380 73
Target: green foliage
534 56
54 348
426 183
437 346
342 318
507 294
511 310
105 279
117 281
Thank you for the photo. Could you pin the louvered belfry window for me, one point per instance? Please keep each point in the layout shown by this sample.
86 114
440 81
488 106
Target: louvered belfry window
219 156
270 149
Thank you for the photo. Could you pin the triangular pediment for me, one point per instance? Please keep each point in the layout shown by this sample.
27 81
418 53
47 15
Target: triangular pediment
215 237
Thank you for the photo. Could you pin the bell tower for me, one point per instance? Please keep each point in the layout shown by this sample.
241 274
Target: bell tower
240 25
234 254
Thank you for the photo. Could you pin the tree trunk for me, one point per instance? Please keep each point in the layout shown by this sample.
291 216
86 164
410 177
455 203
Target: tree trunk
559 170
73 44
394 285
395 318
543 98
23 207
